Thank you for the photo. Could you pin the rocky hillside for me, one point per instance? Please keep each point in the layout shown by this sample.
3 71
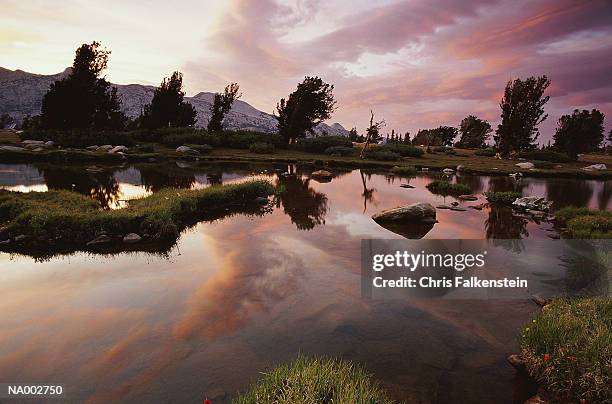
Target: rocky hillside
21 94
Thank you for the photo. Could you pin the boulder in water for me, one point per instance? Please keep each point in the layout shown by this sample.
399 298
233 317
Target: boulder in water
421 212
532 203
595 167
526 165
186 149
321 174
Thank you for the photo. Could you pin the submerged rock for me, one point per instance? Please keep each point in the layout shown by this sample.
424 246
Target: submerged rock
261 200
516 361
131 238
101 239
468 197
406 186
525 165
477 207
533 203
458 209
421 212
443 207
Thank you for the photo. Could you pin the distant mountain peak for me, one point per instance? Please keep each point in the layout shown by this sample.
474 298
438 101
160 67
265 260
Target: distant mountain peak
21 94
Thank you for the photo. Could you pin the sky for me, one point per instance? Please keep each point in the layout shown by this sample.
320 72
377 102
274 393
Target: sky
415 63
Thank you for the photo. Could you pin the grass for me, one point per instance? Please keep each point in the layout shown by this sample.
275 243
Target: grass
585 223
568 348
505 198
404 170
64 217
473 164
447 188
314 381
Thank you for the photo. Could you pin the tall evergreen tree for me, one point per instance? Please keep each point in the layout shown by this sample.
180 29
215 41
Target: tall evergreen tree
522 111
310 104
222 104
474 132
168 107
581 132
83 99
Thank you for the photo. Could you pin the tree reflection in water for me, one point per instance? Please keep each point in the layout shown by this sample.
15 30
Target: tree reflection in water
305 206
155 178
368 193
568 192
503 223
99 185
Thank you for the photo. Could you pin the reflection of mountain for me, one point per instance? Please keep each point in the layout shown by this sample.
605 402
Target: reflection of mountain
569 193
19 174
502 223
306 207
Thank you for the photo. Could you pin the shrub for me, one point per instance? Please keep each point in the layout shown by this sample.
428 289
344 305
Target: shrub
488 152
382 155
261 148
179 139
547 165
341 151
505 198
447 188
321 143
80 138
568 348
242 139
546 155
315 381
404 170
586 223
403 150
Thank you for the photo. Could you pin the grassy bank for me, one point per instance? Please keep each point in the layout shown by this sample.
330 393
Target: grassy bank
447 188
61 218
331 151
568 349
315 381
585 223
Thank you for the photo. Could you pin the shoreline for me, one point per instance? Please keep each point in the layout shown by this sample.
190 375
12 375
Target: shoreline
472 165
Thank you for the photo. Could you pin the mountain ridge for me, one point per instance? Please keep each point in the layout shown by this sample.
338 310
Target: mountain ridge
21 94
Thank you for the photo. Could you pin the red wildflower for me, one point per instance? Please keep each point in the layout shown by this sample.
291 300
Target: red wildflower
207 401
583 401
546 357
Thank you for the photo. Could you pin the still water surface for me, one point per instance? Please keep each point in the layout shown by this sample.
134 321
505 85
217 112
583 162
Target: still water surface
240 294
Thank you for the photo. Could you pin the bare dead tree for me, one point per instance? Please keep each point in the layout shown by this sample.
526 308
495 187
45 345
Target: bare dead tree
372 133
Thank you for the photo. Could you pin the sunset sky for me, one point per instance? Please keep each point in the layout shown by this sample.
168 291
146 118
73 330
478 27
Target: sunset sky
417 63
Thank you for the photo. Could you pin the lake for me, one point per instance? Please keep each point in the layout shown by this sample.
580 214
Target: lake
239 294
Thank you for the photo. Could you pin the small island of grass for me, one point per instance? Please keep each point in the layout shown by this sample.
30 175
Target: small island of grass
315 381
445 188
585 223
63 218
